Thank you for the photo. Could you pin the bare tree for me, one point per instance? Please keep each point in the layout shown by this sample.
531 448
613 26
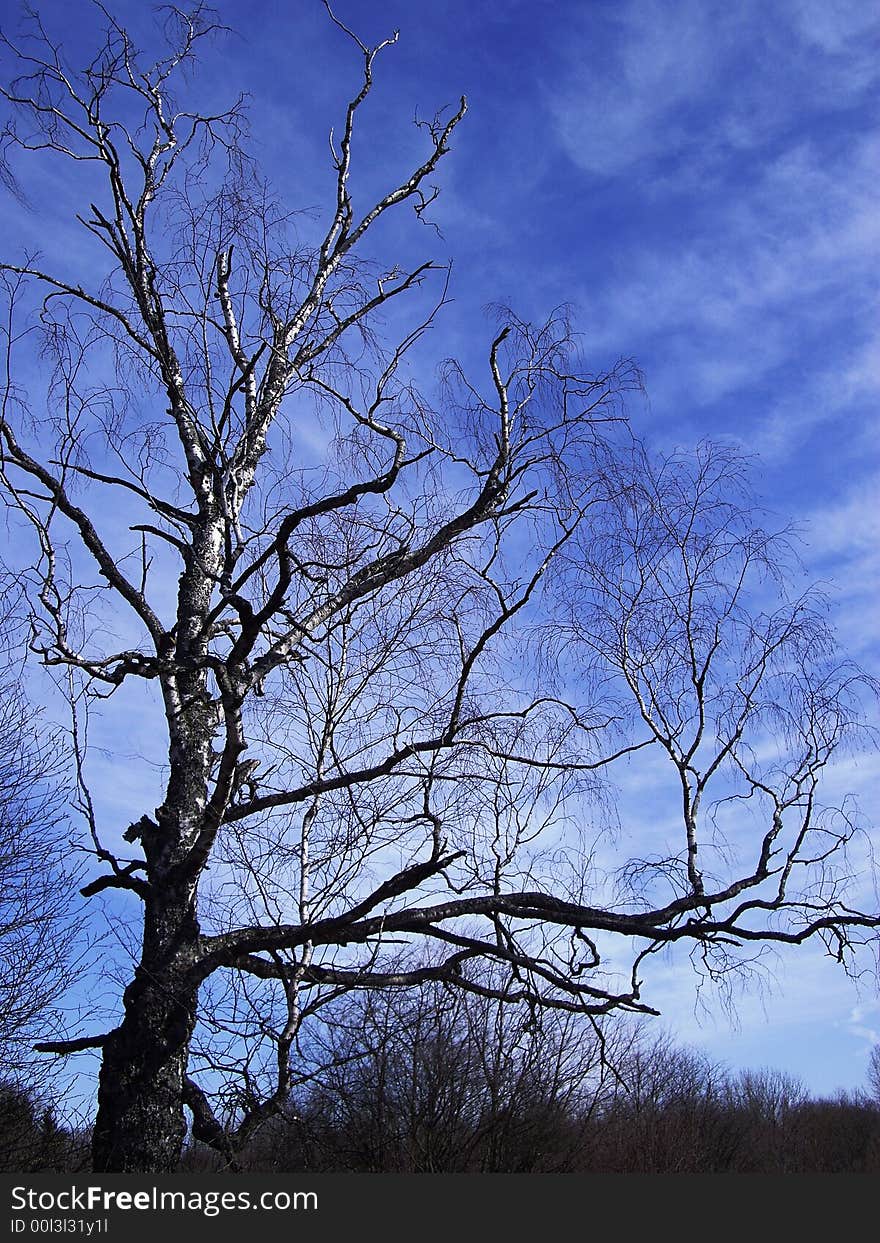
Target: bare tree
874 1073
447 1081
341 643
682 613
37 941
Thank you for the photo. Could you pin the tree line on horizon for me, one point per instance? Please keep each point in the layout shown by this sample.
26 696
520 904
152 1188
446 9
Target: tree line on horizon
456 1084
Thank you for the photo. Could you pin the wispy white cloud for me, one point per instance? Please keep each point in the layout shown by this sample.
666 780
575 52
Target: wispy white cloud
778 264
842 543
758 258
864 1021
837 27
701 79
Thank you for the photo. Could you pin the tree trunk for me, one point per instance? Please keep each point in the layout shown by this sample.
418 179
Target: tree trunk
140 1125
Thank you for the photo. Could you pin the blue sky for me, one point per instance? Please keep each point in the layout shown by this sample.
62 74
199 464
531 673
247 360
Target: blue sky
698 179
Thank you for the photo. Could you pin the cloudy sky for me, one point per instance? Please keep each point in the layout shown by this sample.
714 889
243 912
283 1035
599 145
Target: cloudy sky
699 180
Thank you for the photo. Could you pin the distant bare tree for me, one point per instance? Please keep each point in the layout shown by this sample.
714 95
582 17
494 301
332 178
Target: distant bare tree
31 1136
451 1081
874 1073
667 1113
765 1104
329 589
37 941
771 1095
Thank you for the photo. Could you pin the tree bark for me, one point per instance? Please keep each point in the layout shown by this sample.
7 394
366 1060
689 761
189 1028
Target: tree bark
140 1126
